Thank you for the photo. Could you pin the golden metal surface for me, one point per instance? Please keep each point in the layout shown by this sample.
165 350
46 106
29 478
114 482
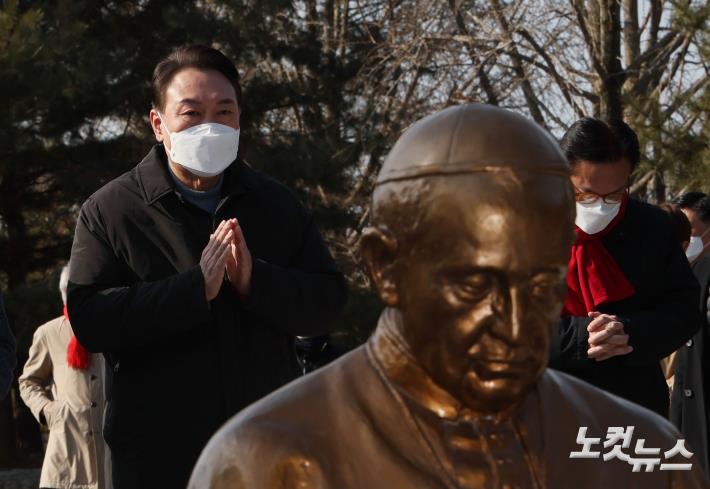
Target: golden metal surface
472 224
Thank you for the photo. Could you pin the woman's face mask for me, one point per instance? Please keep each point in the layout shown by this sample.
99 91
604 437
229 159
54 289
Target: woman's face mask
696 246
205 149
599 190
594 217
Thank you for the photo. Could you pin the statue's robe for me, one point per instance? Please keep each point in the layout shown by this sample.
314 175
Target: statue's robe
349 426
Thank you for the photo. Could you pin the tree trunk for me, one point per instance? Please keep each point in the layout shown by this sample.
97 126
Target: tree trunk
18 249
17 266
8 444
632 40
613 81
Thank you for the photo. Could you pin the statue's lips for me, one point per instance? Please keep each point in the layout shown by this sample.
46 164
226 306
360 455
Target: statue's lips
490 367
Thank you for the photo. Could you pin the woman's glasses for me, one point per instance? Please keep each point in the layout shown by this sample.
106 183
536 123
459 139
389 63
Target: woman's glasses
592 197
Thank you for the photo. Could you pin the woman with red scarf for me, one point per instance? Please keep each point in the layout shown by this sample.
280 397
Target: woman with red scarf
63 385
631 296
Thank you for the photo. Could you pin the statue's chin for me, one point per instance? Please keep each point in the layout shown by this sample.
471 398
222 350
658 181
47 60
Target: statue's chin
494 395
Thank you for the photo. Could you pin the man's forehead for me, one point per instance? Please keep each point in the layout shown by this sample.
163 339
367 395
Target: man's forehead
601 177
193 101
194 86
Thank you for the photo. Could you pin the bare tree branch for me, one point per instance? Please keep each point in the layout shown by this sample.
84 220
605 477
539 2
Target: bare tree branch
528 92
491 95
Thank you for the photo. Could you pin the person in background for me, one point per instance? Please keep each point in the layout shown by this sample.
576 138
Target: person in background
681 229
189 345
8 358
63 385
696 207
689 400
631 296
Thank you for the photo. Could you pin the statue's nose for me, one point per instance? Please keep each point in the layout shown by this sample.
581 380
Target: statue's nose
509 313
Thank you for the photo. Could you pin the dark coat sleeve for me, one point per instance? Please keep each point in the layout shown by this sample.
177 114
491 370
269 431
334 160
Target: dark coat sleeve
8 358
110 309
569 343
660 330
303 298
654 332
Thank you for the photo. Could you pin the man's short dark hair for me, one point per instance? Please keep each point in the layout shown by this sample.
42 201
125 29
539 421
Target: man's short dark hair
681 225
601 141
192 56
688 199
697 202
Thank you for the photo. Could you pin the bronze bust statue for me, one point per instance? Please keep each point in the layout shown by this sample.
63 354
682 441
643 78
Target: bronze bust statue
472 220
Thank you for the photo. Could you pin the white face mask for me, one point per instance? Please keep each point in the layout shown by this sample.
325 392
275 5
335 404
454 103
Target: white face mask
206 149
592 218
695 247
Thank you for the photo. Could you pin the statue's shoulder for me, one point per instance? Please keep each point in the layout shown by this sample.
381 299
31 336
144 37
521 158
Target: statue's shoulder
262 453
611 424
599 410
286 432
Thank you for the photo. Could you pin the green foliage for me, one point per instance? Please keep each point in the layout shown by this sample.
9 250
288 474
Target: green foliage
30 306
74 77
328 86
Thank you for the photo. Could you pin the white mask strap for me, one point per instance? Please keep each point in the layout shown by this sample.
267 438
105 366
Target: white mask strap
162 121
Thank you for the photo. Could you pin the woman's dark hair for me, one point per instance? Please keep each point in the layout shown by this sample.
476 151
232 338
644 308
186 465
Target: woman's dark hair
697 202
688 199
192 56
601 141
681 225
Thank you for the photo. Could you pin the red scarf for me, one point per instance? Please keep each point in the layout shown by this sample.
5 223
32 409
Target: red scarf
593 277
77 356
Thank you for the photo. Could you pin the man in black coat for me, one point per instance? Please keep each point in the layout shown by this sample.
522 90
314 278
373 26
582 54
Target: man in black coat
187 344
689 411
8 359
631 296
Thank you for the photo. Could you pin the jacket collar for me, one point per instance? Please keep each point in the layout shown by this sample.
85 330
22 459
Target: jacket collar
625 224
155 182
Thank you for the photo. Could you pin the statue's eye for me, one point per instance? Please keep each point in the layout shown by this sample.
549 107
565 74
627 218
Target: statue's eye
541 290
545 286
473 287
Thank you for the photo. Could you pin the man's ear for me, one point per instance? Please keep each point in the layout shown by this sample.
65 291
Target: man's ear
379 252
155 121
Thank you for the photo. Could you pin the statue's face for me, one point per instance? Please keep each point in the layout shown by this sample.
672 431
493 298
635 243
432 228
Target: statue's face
481 284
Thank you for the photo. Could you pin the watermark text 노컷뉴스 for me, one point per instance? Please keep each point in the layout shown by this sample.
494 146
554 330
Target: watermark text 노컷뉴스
618 445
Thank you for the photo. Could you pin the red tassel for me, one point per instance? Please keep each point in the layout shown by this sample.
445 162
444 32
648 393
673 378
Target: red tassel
77 356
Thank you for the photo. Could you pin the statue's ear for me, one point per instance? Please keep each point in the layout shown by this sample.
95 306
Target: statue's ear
379 251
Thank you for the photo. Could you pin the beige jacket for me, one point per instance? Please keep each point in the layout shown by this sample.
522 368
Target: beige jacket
71 403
